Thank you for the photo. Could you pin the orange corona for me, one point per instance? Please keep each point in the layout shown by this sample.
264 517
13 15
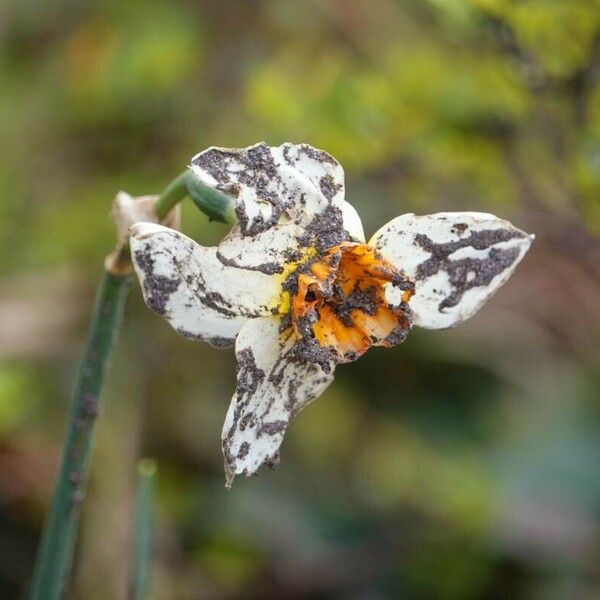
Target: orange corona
350 299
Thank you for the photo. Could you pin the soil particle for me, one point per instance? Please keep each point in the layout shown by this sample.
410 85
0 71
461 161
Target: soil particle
249 375
216 301
400 333
157 287
286 155
258 224
366 301
325 230
329 187
216 341
243 451
286 322
310 350
246 420
318 155
220 342
271 428
467 273
268 268
274 461
291 283
216 163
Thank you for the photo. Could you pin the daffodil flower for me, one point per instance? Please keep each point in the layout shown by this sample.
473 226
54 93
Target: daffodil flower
298 290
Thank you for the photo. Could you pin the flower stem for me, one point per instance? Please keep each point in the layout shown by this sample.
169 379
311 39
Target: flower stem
144 526
213 203
176 191
56 548
55 553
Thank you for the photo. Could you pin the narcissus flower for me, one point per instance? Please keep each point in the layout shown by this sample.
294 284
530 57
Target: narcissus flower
298 290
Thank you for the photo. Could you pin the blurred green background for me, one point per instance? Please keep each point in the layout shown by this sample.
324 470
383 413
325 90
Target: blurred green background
463 464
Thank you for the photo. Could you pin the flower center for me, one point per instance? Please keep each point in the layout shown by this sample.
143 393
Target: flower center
347 300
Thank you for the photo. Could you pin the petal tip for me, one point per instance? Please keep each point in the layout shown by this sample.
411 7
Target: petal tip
528 239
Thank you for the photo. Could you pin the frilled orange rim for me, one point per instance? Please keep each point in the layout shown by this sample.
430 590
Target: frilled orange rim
345 301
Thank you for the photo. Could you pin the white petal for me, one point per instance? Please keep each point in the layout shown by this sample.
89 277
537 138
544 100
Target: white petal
289 197
188 285
273 384
457 260
352 222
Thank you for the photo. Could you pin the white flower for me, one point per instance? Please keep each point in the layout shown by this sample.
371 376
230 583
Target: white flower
297 289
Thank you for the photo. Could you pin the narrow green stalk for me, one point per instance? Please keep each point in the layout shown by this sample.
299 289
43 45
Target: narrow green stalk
213 203
144 527
176 191
56 548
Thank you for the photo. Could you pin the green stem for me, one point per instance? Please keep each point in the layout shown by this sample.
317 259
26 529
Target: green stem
144 526
213 203
176 191
55 553
56 548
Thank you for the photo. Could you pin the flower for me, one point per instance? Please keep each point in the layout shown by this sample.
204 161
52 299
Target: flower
298 290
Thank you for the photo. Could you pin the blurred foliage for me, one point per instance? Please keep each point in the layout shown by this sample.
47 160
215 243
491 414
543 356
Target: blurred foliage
461 465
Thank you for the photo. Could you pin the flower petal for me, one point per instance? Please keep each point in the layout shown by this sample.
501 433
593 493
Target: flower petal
188 285
273 384
457 260
352 221
289 197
